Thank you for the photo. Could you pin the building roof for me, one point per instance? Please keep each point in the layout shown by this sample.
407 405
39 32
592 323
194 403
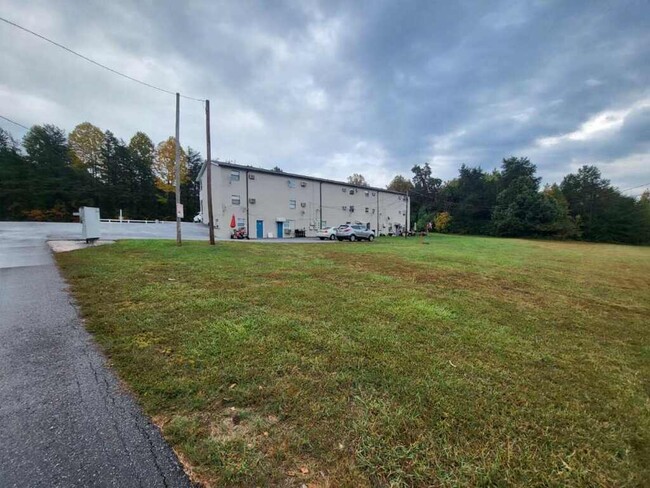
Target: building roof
293 175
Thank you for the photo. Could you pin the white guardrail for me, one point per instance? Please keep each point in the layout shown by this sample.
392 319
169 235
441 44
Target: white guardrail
134 221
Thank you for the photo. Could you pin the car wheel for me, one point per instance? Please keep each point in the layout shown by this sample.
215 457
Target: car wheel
332 237
371 238
353 238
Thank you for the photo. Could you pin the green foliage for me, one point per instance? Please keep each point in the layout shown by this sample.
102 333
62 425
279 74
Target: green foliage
400 184
442 222
56 175
357 179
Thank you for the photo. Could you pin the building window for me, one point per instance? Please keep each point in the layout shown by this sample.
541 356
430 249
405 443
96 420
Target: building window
367 210
292 204
291 183
234 176
351 208
344 190
235 200
241 223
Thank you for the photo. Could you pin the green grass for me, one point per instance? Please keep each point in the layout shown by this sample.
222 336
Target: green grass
460 362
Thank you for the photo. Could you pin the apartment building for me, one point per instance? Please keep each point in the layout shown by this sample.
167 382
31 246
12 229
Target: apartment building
274 205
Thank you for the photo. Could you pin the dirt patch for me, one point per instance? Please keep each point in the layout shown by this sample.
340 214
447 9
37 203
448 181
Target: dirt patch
67 246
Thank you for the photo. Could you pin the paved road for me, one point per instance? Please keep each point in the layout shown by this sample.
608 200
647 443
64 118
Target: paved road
64 420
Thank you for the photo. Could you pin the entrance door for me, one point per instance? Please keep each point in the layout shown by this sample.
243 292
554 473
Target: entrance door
260 229
280 229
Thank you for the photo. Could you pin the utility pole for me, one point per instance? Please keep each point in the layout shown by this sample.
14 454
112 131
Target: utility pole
178 171
208 170
406 216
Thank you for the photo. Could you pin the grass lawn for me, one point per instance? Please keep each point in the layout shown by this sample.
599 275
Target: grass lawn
462 361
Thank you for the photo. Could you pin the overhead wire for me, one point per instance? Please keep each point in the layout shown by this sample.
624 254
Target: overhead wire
86 58
14 122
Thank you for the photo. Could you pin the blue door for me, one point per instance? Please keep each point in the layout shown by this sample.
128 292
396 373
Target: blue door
280 229
260 229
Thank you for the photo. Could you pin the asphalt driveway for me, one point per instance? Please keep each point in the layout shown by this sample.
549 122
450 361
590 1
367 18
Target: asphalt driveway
65 420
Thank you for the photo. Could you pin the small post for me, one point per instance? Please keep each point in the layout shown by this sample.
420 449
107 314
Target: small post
208 171
178 170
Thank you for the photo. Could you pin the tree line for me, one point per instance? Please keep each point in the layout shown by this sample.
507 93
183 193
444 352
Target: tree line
53 174
510 202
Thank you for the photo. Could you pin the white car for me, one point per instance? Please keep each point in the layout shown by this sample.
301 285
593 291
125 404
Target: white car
198 218
327 233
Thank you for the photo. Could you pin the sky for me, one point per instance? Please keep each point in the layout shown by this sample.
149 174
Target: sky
330 88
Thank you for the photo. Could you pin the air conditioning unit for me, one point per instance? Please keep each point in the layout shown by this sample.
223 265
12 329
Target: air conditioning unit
344 207
251 200
303 184
251 176
303 204
351 192
351 208
343 190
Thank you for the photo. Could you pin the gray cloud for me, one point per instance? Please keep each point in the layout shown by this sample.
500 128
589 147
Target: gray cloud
333 88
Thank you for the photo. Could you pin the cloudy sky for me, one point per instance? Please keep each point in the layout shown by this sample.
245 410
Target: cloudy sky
332 88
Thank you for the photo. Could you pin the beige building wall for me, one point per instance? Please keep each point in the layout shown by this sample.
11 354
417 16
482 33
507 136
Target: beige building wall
278 203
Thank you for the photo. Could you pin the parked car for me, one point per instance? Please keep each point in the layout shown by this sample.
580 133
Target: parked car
327 233
198 218
354 232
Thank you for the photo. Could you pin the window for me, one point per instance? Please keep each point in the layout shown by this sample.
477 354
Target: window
344 190
351 208
323 224
241 223
291 183
235 200
292 204
234 176
367 210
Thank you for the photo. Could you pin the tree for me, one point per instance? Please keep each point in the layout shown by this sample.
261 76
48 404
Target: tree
400 184
277 169
357 180
15 178
520 209
190 191
470 199
164 167
425 192
442 221
142 154
86 142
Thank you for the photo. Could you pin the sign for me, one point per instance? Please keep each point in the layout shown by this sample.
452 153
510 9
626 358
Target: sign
179 210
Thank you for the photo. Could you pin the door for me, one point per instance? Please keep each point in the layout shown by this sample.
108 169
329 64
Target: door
280 229
260 229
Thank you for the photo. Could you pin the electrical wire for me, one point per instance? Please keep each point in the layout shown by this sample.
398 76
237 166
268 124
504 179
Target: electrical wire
97 63
635 187
13 122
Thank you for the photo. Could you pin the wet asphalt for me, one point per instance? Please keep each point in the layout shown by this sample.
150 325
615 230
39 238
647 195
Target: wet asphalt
65 420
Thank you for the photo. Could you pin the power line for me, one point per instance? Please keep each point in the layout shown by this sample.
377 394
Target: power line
97 63
13 122
635 187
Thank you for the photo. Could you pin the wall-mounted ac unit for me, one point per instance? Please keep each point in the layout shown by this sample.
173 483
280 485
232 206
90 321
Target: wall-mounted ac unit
344 207
351 208
343 190
251 200
351 192
251 176
303 184
303 204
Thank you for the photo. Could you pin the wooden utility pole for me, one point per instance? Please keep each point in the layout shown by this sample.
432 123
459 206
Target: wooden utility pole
406 216
178 171
208 171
